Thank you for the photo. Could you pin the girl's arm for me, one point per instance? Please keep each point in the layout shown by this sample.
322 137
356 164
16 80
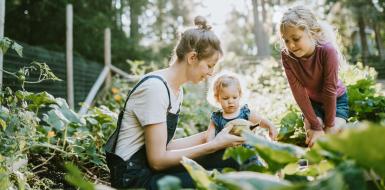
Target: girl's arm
264 123
160 158
189 141
329 90
210 133
301 97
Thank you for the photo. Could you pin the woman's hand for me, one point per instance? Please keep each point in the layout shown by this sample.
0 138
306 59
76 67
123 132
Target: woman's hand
224 139
312 136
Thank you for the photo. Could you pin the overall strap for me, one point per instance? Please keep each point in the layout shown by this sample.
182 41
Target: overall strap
140 82
113 141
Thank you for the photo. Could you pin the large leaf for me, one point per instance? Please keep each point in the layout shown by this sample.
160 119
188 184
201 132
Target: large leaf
334 180
68 114
251 181
239 154
276 154
55 119
40 99
364 144
203 178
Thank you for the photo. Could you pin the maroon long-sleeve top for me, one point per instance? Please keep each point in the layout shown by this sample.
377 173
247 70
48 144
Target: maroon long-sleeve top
315 78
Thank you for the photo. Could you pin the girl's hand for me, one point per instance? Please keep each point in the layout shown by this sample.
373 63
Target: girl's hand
312 136
224 139
332 130
273 133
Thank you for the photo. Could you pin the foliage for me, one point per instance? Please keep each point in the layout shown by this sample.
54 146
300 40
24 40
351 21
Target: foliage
291 129
41 130
365 102
345 160
169 183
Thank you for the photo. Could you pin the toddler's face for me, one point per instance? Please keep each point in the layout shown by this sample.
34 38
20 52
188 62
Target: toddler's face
298 41
229 99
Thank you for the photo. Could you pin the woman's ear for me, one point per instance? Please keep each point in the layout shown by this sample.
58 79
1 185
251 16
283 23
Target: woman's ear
192 57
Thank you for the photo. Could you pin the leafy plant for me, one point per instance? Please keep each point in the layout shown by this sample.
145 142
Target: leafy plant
365 102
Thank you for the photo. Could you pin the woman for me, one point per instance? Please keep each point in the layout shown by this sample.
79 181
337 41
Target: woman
141 150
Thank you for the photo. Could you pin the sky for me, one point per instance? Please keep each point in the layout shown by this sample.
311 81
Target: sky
216 11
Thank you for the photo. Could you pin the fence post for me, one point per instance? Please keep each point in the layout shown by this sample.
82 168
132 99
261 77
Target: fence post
69 56
107 56
2 21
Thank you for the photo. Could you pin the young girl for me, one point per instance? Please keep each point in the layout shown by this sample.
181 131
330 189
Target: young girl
142 149
227 92
311 58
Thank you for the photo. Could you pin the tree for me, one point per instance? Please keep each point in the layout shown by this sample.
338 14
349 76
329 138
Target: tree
261 37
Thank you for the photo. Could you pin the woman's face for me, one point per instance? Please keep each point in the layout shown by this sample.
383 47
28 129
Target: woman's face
298 41
202 69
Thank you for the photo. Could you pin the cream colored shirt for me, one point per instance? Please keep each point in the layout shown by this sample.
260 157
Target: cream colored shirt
147 105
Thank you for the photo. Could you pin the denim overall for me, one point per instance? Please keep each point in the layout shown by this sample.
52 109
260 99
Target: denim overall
220 122
135 172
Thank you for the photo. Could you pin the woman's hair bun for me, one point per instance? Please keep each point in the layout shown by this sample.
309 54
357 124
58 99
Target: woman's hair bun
201 23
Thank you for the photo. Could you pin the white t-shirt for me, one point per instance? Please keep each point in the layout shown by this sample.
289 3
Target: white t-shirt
147 105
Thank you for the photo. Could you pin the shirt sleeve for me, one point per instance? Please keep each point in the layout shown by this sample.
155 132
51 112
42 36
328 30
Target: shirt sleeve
329 90
301 96
150 102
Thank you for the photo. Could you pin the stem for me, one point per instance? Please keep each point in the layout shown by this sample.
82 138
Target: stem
52 147
374 178
65 136
10 73
45 162
35 82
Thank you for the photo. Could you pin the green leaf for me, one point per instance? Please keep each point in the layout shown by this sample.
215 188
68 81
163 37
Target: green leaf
251 180
18 48
276 154
312 170
52 119
353 175
3 124
364 144
40 99
66 113
202 177
75 177
5 43
4 178
169 183
239 153
334 180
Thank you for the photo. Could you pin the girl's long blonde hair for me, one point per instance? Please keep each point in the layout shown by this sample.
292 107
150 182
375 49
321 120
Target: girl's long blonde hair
320 31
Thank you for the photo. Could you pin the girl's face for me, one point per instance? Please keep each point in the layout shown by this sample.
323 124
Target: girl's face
298 41
202 69
229 99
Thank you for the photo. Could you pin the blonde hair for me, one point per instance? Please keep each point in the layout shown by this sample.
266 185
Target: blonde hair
320 31
224 81
199 39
